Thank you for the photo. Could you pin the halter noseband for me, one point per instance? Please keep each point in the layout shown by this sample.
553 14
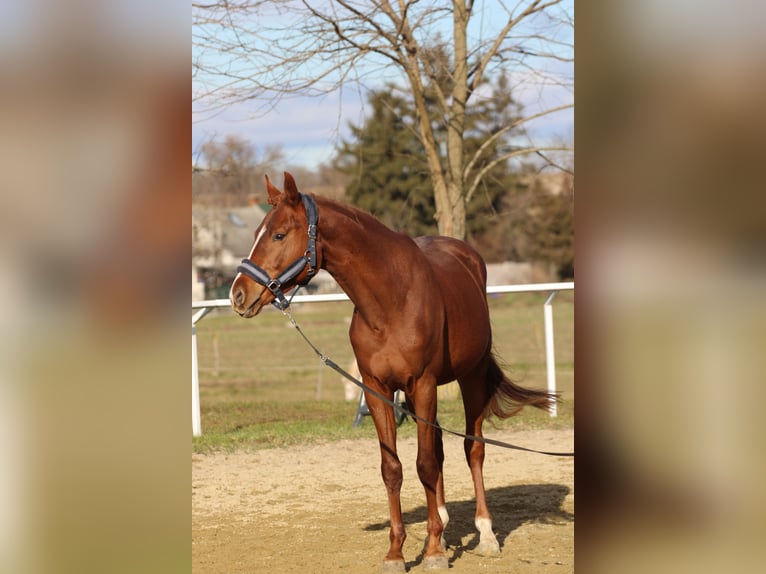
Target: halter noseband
309 258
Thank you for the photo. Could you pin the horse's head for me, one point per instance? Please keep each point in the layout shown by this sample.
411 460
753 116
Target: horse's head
283 254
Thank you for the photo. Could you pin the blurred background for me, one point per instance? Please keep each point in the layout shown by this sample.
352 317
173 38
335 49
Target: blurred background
672 268
94 212
94 205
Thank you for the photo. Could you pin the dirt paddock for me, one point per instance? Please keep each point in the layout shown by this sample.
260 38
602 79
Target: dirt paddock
323 509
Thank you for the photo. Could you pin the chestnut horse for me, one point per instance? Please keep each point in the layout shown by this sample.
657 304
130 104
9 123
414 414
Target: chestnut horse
420 320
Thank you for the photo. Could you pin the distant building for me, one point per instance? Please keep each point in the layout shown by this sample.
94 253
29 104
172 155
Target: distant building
221 237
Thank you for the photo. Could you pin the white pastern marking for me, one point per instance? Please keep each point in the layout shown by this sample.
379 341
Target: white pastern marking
443 515
484 526
488 545
445 519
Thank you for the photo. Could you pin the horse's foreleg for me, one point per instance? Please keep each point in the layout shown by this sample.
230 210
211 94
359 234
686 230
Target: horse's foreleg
441 503
429 464
391 470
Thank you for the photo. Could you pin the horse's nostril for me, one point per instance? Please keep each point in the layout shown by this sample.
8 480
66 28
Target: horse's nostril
238 296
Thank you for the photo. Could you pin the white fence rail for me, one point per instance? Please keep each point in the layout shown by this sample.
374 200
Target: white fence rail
203 307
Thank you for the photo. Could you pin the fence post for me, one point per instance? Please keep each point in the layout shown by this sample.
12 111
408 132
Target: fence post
196 420
550 356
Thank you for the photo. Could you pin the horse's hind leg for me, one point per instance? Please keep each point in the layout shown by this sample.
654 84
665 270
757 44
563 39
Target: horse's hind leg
473 389
441 504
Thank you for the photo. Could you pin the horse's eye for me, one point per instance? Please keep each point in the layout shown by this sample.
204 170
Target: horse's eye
278 236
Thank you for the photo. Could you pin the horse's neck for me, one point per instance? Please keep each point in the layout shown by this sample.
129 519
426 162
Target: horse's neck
358 253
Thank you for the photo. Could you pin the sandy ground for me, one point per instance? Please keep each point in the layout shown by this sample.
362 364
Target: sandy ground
323 508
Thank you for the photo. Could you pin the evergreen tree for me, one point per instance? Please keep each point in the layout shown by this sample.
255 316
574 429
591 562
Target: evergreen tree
389 174
535 223
389 171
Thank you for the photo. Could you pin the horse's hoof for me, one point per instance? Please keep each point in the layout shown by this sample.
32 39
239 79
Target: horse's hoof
438 562
392 566
488 548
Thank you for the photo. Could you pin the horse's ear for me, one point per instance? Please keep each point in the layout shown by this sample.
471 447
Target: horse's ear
274 193
291 190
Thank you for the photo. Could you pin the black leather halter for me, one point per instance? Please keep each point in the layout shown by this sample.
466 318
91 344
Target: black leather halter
309 258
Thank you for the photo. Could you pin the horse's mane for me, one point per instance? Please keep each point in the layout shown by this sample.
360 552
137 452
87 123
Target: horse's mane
362 218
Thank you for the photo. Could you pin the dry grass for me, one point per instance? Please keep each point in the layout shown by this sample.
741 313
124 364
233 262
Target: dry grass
262 386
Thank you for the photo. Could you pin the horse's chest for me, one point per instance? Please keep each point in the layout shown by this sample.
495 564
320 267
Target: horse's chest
399 354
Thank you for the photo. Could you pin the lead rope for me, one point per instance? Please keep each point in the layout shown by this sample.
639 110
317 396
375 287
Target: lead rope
330 363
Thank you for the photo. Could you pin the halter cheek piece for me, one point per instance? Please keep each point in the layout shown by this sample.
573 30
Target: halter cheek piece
309 258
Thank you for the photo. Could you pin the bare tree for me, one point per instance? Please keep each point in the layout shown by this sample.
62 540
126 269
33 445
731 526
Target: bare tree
230 172
263 50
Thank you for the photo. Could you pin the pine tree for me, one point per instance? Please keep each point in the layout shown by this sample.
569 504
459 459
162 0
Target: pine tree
390 176
385 160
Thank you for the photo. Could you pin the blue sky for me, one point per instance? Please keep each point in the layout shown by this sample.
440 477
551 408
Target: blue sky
309 127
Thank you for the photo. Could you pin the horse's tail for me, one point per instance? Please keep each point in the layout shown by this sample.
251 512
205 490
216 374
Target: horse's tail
506 398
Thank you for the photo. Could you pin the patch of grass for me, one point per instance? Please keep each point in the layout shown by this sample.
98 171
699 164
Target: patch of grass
261 386
254 425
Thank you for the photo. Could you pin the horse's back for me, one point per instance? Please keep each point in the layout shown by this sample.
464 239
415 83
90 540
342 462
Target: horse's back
461 276
452 258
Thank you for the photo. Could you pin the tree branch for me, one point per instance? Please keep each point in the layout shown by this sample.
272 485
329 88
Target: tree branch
477 73
505 157
362 48
504 130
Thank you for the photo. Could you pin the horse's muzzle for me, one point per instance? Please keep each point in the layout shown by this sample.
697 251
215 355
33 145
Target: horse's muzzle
239 302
